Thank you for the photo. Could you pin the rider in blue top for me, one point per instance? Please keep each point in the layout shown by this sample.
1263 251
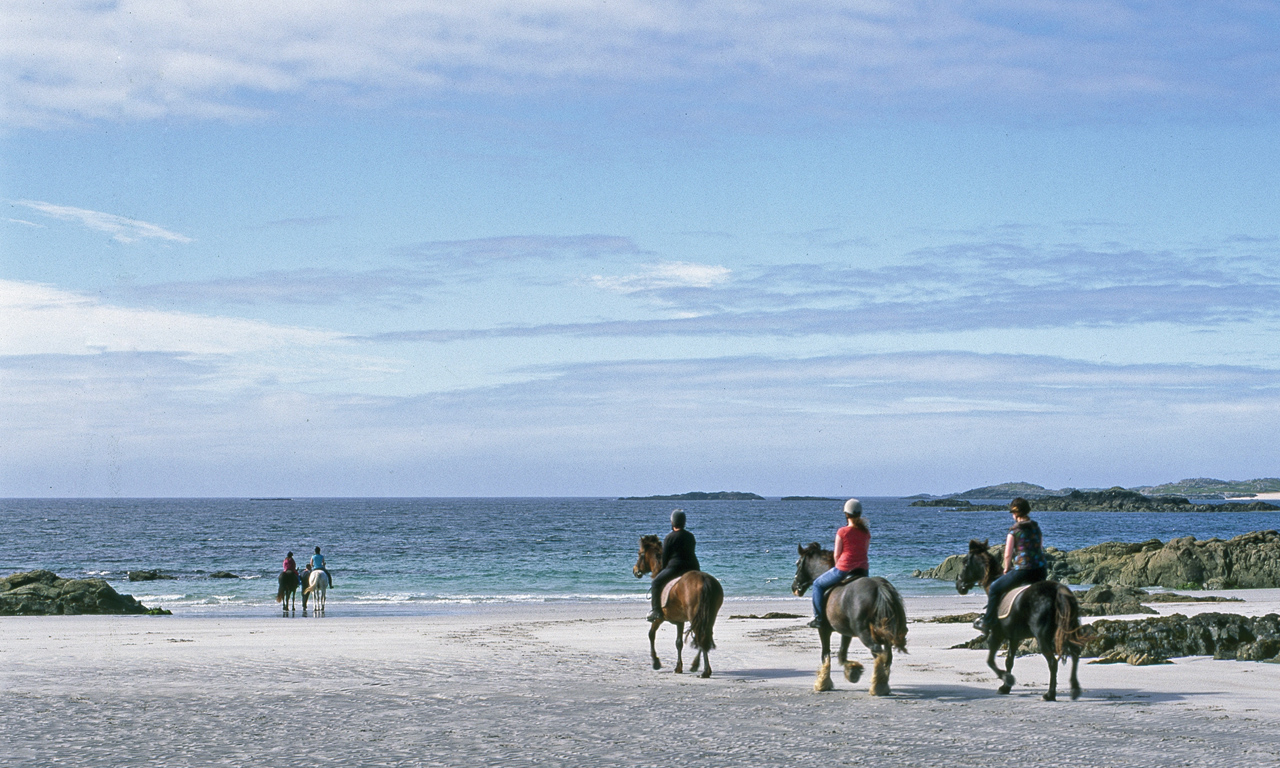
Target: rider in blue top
317 563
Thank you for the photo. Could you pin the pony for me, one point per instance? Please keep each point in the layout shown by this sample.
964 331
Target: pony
868 608
319 586
695 598
1046 610
287 590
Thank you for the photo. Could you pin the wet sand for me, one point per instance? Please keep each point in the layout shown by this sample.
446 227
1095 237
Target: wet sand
570 685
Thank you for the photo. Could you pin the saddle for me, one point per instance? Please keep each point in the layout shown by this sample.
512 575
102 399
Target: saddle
1006 602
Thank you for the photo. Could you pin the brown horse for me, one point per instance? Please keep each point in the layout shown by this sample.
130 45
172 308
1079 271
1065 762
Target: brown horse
868 608
1046 610
696 598
287 590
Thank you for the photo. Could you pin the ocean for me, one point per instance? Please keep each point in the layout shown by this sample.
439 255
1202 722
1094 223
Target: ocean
421 556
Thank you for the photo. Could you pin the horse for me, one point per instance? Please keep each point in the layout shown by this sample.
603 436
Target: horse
1046 610
319 586
695 598
868 608
287 591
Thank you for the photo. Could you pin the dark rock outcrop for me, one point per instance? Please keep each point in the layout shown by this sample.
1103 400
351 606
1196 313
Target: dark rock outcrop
1156 640
44 593
1251 560
699 496
148 576
223 575
951 503
1111 500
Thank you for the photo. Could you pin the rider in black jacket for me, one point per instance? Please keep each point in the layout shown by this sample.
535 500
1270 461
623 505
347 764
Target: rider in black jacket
678 558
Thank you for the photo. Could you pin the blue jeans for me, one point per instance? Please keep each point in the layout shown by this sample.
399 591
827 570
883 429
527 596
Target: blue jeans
1001 586
825 582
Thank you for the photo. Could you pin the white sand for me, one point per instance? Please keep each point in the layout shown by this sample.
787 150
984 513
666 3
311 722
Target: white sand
571 685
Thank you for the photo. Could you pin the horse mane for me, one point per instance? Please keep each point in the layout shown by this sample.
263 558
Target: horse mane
814 548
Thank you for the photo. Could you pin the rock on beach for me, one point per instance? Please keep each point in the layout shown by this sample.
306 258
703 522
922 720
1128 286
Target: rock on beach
44 593
1248 561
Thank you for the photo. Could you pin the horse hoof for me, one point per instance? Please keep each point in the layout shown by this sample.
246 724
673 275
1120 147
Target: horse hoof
1003 689
881 690
1075 693
705 675
679 670
853 671
656 665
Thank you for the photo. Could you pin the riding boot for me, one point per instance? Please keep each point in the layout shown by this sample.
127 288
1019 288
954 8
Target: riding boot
816 623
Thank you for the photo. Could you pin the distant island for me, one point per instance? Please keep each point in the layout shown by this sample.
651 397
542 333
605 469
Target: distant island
1111 500
809 498
698 496
1191 488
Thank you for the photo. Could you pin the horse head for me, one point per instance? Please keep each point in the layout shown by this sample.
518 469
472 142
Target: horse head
812 563
650 559
976 568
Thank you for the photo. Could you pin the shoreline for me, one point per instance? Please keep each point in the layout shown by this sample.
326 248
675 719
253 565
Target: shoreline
570 684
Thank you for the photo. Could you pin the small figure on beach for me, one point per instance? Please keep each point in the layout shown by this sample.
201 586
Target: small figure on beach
853 540
317 563
678 558
1024 561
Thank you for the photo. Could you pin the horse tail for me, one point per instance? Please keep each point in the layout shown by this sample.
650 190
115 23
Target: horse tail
710 595
280 590
1069 635
890 625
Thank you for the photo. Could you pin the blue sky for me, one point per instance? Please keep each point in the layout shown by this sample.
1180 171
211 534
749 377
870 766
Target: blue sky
588 248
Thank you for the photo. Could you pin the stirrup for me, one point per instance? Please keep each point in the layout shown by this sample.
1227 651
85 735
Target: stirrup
816 623
653 616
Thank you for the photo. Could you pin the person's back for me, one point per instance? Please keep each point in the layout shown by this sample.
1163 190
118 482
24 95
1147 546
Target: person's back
679 551
317 563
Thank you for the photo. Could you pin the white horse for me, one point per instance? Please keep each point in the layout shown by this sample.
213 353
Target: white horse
318 586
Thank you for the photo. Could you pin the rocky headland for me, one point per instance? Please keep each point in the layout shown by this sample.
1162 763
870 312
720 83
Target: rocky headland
1248 561
1111 500
44 593
699 496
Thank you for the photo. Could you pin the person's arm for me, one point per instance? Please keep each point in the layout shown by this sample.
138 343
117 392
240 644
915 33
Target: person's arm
839 546
1008 552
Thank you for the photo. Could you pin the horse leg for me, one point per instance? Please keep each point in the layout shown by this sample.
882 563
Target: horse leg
653 651
679 647
993 647
823 683
1014 642
1075 683
698 655
852 669
1052 693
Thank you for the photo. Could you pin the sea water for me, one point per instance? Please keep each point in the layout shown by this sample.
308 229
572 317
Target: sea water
418 556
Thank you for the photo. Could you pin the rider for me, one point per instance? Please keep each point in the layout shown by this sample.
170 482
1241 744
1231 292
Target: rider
317 563
678 558
290 564
852 542
1025 553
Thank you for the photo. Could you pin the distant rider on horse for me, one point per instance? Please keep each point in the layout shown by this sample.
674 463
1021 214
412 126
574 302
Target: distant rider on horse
678 558
317 563
290 564
852 542
1024 552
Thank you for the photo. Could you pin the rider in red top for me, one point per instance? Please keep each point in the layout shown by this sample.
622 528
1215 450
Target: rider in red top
289 564
852 542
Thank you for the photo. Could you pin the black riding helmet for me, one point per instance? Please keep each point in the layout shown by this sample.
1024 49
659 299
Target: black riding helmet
677 518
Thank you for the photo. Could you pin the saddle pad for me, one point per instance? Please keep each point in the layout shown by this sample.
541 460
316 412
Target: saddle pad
666 590
1006 602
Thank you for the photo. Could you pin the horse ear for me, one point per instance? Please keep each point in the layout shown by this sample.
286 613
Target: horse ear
800 549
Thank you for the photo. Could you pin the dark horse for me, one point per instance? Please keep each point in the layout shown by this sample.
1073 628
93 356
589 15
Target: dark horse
695 597
868 608
1046 611
287 591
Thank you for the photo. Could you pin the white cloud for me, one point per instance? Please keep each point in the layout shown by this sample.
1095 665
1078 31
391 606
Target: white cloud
144 59
121 229
665 275
42 320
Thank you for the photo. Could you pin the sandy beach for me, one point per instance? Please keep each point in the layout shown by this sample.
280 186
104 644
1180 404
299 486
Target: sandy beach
571 685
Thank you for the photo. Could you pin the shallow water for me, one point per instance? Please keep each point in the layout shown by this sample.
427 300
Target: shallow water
432 555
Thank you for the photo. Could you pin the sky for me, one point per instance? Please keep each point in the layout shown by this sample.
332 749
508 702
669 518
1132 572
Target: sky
588 248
